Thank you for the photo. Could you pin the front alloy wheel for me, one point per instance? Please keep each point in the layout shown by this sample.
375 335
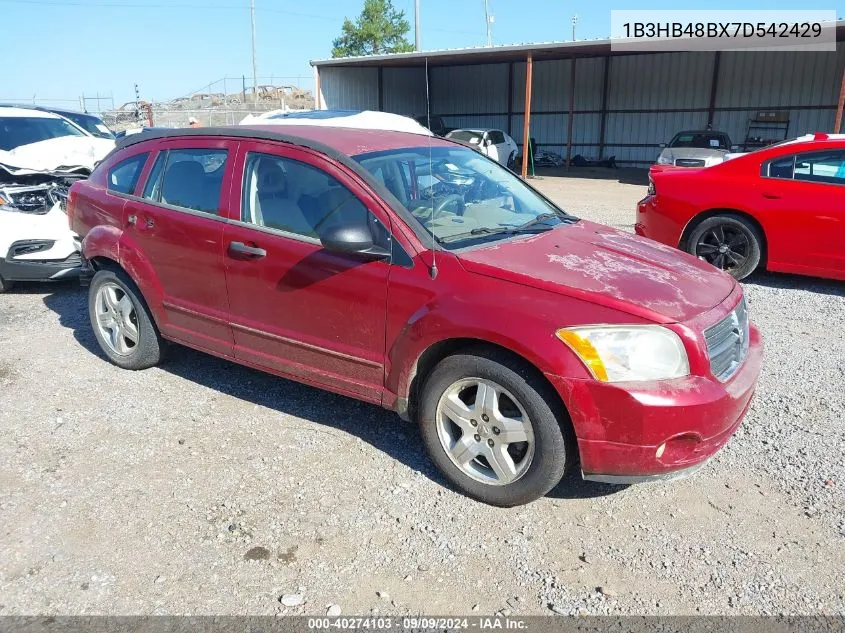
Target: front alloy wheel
494 426
485 431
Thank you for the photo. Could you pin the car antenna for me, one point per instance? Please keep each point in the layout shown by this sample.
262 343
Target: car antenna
432 271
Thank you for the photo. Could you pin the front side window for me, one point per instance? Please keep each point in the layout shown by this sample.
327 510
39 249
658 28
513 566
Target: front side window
124 176
496 137
90 124
827 167
291 196
192 179
460 196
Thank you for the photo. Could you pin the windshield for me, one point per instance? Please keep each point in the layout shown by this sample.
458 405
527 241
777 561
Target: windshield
16 131
90 124
467 136
461 197
701 140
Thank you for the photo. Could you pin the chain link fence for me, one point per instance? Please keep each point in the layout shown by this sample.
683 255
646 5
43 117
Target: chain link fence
225 101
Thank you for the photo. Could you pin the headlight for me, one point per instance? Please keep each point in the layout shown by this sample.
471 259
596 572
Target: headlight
664 160
628 352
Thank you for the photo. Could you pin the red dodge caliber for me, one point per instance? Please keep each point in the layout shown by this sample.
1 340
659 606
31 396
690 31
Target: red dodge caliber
417 274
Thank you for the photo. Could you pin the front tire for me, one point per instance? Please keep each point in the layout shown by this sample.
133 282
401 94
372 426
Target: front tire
494 428
728 242
122 322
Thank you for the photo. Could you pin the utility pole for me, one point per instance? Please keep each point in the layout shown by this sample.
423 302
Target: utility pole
417 25
574 22
488 22
254 64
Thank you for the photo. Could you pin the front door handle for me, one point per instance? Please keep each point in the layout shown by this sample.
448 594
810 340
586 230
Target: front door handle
250 251
771 196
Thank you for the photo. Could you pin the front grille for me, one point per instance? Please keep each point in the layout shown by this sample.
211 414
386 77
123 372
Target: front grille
689 162
727 342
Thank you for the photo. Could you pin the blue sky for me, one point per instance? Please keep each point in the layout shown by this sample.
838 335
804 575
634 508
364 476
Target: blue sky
59 49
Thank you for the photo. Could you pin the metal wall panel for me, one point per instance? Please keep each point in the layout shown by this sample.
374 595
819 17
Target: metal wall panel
664 80
735 123
550 86
349 88
485 120
654 127
469 89
551 129
404 90
776 79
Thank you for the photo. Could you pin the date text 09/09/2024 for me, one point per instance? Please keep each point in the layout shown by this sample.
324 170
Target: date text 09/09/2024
481 623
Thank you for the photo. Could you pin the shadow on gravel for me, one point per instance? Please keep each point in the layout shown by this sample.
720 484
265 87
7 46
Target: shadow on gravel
797 282
381 428
574 487
624 175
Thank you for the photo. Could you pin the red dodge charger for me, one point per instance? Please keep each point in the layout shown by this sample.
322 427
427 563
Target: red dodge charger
781 208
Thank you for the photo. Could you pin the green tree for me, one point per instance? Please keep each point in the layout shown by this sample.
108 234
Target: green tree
379 29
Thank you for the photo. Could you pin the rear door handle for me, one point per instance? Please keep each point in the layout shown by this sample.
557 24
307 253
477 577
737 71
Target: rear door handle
251 251
771 196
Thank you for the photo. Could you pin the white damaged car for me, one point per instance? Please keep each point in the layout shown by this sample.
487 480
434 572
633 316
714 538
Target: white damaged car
41 156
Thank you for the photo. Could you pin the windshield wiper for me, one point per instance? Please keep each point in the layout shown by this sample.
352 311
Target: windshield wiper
536 222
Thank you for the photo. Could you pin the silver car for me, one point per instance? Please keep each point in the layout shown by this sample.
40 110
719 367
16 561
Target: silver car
696 148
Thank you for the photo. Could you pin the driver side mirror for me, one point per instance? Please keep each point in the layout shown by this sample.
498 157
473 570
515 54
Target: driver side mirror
352 239
663 146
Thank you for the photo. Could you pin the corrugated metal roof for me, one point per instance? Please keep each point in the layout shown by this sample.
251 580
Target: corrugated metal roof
494 54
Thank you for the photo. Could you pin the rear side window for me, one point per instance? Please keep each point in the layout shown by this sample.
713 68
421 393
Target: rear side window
780 168
192 179
124 176
827 167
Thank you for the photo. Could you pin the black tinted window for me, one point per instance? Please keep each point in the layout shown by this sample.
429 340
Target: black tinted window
124 176
193 179
781 168
496 137
826 167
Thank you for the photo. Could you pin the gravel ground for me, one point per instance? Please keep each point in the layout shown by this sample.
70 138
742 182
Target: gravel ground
207 488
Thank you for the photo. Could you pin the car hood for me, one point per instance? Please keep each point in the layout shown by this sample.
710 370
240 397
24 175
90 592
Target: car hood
608 267
66 154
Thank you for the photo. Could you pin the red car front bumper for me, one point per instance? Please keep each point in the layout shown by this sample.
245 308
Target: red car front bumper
634 432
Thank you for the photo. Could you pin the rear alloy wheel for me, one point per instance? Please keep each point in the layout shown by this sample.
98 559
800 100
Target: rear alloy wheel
729 243
121 321
493 428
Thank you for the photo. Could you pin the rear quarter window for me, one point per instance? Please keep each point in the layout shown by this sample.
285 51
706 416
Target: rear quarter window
123 177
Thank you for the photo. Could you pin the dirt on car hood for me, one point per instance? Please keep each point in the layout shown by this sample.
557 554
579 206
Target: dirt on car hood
608 267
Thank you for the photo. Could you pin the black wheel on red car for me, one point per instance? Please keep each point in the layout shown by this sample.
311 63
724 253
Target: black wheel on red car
122 322
494 428
729 242
5 285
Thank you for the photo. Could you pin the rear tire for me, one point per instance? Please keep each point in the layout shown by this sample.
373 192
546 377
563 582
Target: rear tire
506 454
729 242
122 322
5 285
